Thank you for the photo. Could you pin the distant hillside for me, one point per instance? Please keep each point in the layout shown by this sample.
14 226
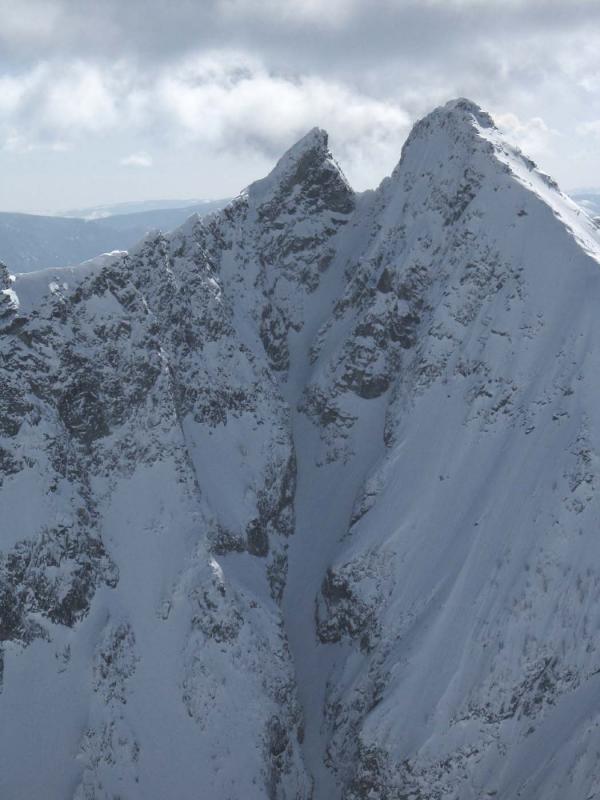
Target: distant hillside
590 200
163 218
30 242
131 207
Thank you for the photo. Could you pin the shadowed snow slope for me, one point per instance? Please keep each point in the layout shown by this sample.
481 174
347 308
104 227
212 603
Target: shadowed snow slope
301 501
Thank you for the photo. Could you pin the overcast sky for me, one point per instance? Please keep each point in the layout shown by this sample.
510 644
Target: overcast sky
111 100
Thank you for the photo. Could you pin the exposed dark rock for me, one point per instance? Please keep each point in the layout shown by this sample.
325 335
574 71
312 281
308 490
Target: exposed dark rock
257 539
345 614
63 593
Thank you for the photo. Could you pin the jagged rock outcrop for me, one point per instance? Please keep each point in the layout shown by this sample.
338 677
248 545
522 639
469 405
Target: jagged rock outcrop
300 501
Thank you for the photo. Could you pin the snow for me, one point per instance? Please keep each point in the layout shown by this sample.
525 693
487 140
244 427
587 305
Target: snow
32 287
261 190
13 299
342 453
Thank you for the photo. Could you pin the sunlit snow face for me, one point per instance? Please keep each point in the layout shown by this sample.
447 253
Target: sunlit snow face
197 99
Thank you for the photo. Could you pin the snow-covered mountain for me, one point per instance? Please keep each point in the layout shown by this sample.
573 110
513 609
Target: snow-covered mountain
29 242
300 502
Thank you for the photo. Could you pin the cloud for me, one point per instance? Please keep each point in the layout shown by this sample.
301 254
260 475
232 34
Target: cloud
226 102
220 101
334 13
532 135
24 24
248 77
338 35
230 101
50 104
590 128
136 160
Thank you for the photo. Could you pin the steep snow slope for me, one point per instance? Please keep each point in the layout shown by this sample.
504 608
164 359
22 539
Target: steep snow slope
466 578
301 500
136 452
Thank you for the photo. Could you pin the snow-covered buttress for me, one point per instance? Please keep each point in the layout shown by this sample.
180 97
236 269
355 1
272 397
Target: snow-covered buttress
301 501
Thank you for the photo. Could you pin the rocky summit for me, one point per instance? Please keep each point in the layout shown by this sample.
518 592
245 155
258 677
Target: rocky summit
301 501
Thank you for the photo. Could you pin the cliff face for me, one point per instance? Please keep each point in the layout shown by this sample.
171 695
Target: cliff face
300 501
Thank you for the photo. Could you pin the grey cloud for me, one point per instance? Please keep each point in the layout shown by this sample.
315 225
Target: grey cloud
408 51
249 76
351 31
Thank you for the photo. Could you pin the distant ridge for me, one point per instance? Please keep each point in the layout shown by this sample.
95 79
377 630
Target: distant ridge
29 242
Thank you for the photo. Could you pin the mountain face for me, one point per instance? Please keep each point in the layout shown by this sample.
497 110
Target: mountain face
29 242
301 501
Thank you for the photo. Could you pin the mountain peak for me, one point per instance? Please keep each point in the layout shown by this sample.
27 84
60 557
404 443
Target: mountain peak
308 165
464 109
457 129
460 115
316 139
314 142
458 118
